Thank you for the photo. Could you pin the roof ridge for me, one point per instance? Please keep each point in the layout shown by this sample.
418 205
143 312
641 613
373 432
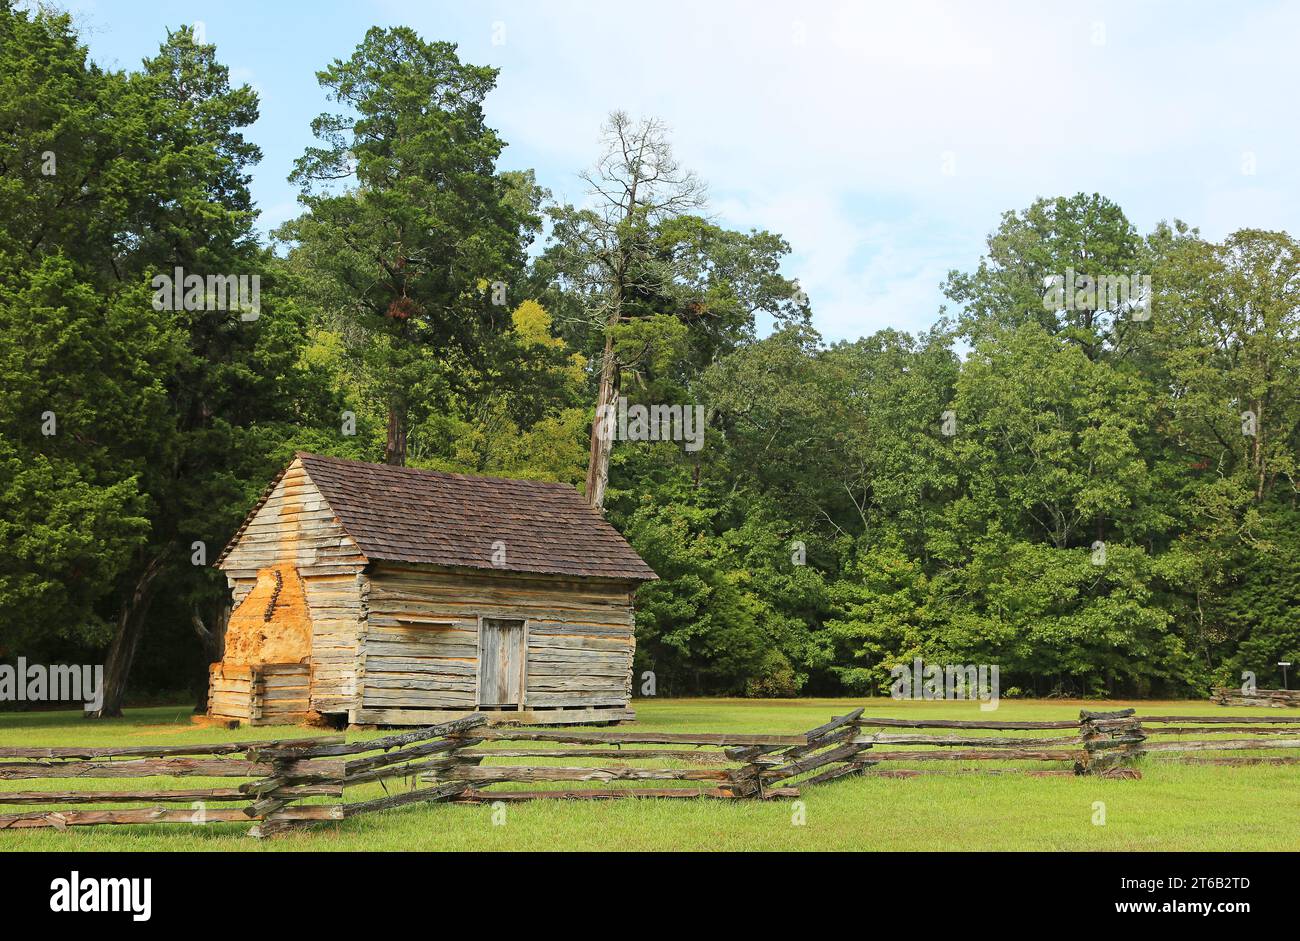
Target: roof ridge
457 475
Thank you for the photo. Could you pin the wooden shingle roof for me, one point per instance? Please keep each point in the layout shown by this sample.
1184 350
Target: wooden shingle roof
404 514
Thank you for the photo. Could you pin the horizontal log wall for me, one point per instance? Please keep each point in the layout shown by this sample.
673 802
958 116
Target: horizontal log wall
283 693
261 694
421 641
230 692
549 716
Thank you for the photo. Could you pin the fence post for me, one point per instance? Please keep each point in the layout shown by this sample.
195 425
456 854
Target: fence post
457 759
833 744
1109 739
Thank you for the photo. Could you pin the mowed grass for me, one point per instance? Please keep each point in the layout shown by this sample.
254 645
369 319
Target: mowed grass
1173 807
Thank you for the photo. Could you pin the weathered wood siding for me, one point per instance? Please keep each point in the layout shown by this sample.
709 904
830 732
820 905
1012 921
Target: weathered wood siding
265 694
295 525
421 638
230 692
282 693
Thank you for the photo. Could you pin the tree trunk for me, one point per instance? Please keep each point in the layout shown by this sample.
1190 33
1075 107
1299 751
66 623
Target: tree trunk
395 445
130 628
1258 457
602 428
213 640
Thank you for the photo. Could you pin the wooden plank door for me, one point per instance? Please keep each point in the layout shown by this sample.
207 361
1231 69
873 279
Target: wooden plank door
501 654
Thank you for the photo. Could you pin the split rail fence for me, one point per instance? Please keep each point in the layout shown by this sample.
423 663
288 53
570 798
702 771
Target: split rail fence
1227 696
294 782
1176 738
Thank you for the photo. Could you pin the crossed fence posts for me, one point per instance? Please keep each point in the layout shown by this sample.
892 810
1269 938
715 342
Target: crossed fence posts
296 782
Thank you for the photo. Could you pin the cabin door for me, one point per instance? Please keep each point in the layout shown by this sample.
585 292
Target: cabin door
501 654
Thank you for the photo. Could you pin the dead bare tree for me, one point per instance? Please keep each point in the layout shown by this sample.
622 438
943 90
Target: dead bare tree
635 186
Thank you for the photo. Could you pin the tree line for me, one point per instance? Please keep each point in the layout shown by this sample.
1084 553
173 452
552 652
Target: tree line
1098 496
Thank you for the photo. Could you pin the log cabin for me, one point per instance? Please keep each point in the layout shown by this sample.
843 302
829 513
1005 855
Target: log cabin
382 595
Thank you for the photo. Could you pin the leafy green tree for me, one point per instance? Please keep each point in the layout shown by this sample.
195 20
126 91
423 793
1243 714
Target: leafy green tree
845 438
733 612
79 373
1228 340
80 352
414 258
526 422
1098 501
166 420
1084 234
1223 350
1047 441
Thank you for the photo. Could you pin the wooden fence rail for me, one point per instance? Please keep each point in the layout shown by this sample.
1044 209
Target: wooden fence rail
1168 738
1277 698
758 765
466 761
766 766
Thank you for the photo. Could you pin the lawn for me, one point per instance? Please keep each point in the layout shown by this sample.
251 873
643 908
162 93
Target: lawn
1173 806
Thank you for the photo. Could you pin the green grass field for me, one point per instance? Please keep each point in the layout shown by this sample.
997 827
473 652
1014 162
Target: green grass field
1173 806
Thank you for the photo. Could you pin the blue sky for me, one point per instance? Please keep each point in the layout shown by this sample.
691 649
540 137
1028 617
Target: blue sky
883 140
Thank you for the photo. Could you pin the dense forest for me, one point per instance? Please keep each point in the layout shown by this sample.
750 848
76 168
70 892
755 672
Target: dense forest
1098 496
